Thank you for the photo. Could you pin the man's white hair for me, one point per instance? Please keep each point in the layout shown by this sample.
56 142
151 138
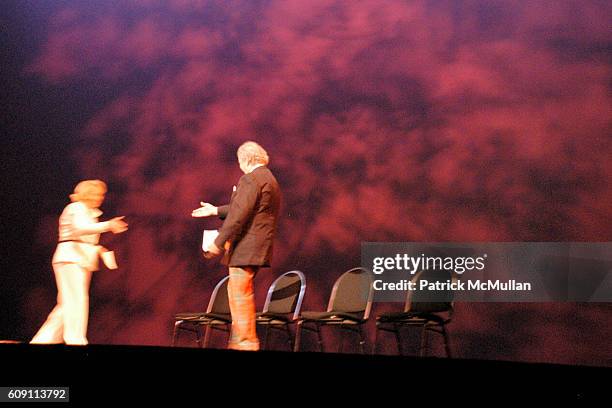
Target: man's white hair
252 153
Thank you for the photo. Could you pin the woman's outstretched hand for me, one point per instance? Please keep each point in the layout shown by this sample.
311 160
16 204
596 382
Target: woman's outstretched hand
117 225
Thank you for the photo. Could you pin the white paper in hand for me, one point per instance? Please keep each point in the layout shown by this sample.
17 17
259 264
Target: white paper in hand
208 238
108 257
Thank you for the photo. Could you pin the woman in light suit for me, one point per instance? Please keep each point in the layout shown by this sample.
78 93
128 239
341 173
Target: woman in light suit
75 258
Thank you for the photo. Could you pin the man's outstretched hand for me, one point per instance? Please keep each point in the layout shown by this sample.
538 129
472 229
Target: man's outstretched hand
206 210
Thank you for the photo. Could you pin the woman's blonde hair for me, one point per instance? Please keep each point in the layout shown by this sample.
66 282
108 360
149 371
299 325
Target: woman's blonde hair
86 188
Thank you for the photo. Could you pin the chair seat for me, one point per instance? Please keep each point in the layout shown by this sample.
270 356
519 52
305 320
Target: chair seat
188 315
214 317
411 318
274 318
332 317
206 319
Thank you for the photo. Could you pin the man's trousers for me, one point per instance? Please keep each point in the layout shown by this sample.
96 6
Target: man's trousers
242 306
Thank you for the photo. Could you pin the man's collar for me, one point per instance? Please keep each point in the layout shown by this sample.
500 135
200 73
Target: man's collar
256 167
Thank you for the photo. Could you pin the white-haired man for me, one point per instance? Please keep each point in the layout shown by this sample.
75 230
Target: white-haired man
247 234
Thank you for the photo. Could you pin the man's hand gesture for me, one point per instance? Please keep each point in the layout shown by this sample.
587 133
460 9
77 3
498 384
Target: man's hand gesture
206 210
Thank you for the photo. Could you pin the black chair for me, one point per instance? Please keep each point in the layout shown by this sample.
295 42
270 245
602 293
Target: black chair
216 317
283 305
348 308
427 311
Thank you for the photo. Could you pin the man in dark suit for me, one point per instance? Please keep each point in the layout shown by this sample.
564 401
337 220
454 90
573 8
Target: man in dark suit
247 235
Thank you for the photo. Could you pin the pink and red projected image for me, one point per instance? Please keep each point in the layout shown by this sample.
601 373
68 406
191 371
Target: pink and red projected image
388 121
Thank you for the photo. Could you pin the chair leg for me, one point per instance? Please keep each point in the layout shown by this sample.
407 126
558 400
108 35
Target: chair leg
422 351
298 336
446 342
341 347
375 344
319 338
289 337
176 332
206 336
266 336
398 339
362 341
198 336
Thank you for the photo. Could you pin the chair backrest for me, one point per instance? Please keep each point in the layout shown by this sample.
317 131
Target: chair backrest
426 301
286 293
352 293
219 300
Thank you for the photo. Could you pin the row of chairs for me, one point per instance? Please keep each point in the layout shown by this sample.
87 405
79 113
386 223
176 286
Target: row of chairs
348 309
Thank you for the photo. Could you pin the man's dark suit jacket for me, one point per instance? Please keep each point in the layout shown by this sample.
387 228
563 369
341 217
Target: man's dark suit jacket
250 219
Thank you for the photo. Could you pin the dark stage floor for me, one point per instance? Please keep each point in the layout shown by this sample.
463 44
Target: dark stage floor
111 374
